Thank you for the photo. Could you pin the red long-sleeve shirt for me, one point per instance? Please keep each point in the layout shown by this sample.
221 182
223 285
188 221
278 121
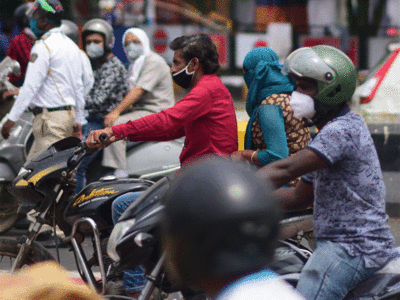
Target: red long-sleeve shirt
20 50
206 116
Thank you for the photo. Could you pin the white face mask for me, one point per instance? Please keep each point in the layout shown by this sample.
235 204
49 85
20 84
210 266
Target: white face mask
133 51
302 105
94 51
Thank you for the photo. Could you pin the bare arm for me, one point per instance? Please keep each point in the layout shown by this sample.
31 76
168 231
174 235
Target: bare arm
283 171
299 197
130 99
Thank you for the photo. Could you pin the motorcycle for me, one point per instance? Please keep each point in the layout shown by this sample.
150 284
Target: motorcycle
135 240
46 184
11 152
291 256
145 160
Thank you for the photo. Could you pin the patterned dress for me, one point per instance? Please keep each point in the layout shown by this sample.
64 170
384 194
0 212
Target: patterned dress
110 87
298 136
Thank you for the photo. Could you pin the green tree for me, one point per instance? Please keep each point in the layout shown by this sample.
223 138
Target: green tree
364 23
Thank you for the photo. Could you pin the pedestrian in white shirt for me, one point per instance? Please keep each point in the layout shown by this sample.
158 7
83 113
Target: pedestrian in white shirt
71 30
53 87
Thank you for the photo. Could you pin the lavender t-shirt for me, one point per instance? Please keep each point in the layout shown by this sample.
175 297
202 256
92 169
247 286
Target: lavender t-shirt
349 195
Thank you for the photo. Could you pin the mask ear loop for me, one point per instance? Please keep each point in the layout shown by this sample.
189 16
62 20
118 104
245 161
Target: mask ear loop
187 68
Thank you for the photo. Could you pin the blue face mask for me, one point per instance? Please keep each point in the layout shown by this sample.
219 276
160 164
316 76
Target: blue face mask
33 25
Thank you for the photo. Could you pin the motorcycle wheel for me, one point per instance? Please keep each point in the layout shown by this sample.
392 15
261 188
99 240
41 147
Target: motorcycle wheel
9 250
8 209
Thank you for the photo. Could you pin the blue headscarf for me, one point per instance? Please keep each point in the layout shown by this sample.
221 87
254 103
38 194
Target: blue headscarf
263 78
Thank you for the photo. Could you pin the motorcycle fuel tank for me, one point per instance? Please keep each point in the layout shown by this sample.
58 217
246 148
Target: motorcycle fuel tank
95 200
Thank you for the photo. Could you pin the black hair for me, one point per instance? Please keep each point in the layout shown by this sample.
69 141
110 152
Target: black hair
200 46
20 16
50 17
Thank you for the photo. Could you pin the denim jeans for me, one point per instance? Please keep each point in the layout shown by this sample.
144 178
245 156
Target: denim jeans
134 280
94 123
331 273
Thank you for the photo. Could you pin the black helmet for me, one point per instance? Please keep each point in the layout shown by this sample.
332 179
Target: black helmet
220 220
20 15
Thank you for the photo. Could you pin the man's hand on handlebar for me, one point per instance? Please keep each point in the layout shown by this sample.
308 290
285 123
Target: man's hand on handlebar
94 140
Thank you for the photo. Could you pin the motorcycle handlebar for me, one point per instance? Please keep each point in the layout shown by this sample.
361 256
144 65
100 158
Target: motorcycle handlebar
103 138
83 150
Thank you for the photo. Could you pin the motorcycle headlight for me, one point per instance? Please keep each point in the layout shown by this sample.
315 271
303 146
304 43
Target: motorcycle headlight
117 233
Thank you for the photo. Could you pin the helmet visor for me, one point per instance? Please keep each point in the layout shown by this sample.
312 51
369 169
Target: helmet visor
304 62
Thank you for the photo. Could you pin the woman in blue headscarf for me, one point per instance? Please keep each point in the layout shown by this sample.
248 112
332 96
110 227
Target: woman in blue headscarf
272 132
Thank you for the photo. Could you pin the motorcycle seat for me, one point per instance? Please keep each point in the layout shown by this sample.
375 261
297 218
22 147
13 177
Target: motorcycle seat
130 145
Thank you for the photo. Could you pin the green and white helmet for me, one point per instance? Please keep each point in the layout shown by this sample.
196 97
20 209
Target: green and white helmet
333 70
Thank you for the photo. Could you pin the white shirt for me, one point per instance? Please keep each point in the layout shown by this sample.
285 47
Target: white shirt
88 77
43 88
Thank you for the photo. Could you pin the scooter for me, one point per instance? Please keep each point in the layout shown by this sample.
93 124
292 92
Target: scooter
46 184
145 160
135 240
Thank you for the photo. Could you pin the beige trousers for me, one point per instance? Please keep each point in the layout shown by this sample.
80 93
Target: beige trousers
50 127
114 156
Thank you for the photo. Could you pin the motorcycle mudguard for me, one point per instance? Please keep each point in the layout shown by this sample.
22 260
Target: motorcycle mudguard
6 172
95 200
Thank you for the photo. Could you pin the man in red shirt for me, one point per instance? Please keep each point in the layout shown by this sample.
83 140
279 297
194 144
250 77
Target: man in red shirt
21 44
19 50
205 116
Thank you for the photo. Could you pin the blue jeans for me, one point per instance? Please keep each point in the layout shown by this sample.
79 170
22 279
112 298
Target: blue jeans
94 123
331 273
134 280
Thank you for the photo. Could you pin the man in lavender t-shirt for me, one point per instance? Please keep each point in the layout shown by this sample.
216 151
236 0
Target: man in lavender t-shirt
341 177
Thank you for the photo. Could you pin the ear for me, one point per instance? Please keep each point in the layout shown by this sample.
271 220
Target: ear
194 64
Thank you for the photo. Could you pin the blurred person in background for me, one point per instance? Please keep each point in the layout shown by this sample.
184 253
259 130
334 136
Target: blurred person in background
6 35
21 44
110 82
53 88
150 91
